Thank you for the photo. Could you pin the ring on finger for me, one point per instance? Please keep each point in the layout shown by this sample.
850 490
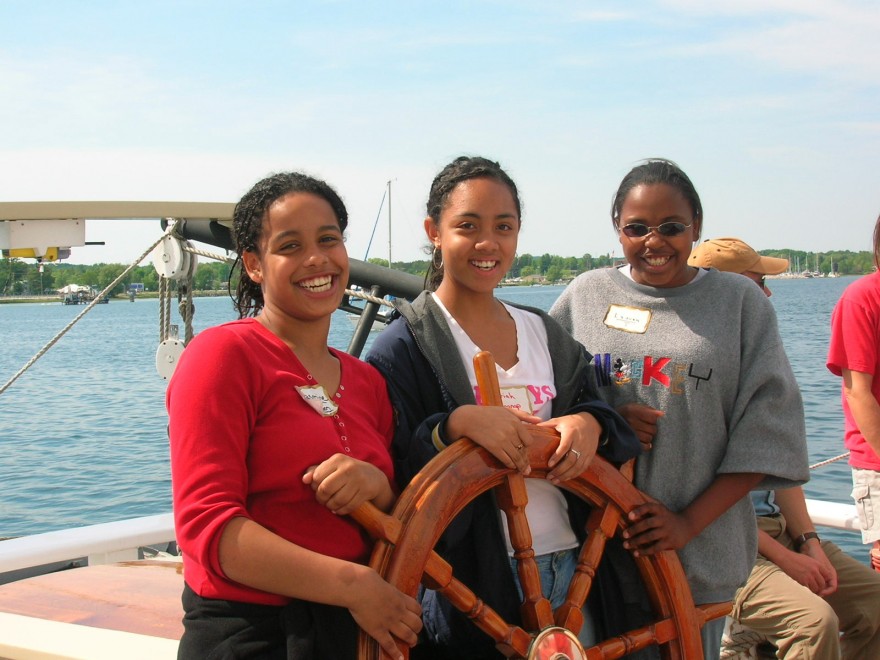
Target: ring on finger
576 453
519 447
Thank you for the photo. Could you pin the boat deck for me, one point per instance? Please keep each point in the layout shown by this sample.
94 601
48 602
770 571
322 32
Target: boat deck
139 599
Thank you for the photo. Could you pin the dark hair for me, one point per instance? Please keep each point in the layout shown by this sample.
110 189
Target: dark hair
461 169
655 171
247 227
877 244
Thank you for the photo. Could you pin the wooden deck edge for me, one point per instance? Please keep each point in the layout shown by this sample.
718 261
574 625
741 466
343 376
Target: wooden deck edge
28 638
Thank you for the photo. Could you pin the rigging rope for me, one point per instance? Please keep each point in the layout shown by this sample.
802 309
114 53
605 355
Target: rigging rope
88 308
209 255
830 460
369 298
164 321
186 309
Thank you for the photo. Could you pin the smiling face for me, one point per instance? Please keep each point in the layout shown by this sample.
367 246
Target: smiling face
302 264
477 236
655 260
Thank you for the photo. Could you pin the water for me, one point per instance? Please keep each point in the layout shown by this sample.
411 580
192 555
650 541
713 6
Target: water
82 433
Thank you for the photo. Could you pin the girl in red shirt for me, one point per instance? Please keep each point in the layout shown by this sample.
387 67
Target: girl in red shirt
274 437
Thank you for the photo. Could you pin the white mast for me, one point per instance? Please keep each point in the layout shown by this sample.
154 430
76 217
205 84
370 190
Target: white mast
389 223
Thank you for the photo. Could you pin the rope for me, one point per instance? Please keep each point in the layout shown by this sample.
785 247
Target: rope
186 309
88 308
164 309
163 323
830 460
185 301
369 298
209 255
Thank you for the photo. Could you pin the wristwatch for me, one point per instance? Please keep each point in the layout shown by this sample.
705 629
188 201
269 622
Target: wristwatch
803 538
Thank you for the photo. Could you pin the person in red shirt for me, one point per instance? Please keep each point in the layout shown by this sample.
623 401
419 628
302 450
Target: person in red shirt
274 438
854 355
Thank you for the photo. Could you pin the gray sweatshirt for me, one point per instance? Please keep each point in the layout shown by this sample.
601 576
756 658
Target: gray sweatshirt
710 356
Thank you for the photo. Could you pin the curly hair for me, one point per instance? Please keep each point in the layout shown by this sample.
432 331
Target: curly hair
654 171
247 227
461 169
877 244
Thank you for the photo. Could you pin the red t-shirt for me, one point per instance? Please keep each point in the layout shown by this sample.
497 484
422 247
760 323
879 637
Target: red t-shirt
242 435
855 339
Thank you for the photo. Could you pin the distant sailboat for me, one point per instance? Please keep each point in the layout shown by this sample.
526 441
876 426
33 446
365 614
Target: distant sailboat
817 272
834 270
382 317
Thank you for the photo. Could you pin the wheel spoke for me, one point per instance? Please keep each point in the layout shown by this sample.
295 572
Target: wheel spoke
511 640
535 610
601 525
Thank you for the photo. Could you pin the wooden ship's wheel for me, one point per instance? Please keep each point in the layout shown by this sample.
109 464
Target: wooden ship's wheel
404 553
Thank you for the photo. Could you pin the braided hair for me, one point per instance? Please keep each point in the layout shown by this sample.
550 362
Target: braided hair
461 169
247 227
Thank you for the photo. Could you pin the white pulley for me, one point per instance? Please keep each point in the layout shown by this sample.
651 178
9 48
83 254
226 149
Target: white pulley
193 262
170 260
167 356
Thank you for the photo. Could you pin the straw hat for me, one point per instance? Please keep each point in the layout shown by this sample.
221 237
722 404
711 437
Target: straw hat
735 256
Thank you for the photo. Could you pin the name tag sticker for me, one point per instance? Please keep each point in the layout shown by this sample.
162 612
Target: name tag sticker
516 397
316 397
628 319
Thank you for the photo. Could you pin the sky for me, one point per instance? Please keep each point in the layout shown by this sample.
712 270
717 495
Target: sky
770 106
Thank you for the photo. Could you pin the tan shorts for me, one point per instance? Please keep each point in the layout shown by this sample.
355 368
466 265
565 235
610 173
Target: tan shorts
866 495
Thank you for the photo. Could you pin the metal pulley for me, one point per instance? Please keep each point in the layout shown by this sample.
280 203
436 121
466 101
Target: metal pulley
171 261
167 356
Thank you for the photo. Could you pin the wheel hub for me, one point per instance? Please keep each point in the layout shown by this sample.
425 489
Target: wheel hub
556 644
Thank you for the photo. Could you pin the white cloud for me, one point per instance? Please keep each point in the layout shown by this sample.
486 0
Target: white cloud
602 16
838 39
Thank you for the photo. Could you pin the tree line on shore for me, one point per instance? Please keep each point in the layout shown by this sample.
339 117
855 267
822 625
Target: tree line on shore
19 277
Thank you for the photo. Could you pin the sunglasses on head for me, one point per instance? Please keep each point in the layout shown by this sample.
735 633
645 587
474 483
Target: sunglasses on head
667 229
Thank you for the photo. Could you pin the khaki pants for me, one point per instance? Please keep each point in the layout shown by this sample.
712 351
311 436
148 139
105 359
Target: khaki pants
801 624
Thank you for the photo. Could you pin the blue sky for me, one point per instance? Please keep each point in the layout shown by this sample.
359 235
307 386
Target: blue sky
771 107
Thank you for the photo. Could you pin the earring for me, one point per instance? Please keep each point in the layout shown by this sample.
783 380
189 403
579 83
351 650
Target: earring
437 258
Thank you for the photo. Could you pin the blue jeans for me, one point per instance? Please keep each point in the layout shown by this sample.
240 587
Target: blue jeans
556 570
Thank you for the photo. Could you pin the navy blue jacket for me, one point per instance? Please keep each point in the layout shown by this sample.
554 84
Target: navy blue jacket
426 379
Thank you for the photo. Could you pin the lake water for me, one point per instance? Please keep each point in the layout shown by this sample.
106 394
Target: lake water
82 433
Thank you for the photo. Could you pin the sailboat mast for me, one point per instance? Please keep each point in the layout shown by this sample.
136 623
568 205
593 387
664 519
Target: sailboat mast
389 223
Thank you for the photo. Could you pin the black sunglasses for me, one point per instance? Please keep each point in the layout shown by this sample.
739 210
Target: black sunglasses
667 229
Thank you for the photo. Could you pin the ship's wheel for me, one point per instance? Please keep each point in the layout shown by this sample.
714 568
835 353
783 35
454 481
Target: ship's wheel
404 553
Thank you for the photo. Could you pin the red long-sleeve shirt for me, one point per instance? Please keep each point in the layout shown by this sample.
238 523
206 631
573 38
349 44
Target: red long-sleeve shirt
241 438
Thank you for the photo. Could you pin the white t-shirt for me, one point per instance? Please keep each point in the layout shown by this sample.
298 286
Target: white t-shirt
527 385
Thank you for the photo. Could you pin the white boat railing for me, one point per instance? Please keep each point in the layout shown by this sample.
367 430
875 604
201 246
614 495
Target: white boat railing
834 514
100 544
119 541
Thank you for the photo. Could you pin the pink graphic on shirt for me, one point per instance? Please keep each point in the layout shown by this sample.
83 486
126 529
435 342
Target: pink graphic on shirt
527 398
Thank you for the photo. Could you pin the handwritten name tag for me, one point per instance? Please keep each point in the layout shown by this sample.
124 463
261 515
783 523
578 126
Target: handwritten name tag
628 319
517 398
317 398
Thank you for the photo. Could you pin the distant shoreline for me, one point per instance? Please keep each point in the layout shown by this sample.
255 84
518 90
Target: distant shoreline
55 298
